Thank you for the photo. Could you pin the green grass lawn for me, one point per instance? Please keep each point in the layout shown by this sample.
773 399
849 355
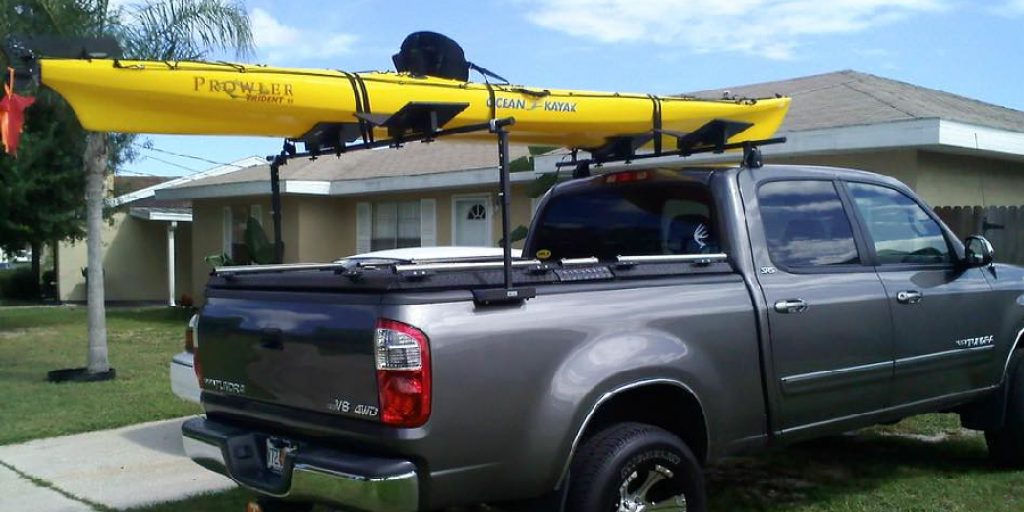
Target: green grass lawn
36 340
923 464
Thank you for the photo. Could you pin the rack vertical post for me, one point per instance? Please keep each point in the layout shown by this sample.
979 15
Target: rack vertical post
275 205
507 294
506 200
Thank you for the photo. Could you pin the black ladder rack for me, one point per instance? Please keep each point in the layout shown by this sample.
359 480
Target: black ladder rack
420 123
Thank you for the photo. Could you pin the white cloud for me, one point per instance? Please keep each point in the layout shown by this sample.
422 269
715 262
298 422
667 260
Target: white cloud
279 43
770 28
1014 6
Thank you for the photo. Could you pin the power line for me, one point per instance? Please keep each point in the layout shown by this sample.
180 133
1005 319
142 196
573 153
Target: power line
181 155
122 172
190 170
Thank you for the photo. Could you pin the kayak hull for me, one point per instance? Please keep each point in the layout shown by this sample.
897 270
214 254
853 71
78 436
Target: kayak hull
225 99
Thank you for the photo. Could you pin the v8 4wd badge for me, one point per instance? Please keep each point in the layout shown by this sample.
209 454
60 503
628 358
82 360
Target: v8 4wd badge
339 405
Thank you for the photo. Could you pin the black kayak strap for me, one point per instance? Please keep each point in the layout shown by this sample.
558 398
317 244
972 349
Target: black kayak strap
486 72
656 122
358 91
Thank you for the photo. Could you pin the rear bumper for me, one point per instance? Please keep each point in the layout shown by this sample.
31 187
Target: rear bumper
183 378
310 473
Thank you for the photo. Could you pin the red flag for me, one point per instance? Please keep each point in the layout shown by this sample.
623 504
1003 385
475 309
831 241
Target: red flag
12 116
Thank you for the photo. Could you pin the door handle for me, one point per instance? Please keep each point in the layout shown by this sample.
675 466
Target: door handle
909 297
791 306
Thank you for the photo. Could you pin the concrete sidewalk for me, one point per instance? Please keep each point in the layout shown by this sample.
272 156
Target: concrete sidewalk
117 469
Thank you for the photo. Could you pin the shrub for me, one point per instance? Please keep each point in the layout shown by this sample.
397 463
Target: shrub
18 284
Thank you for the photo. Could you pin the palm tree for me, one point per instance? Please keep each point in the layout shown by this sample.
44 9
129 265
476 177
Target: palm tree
165 30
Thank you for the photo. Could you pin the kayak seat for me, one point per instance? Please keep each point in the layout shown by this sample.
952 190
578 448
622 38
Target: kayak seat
432 54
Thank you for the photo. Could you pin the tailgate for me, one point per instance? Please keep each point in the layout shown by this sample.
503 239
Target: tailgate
301 350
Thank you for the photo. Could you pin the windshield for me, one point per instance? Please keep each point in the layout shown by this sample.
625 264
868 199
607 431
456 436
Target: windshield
628 219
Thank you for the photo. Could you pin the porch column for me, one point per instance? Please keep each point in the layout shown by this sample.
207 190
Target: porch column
173 225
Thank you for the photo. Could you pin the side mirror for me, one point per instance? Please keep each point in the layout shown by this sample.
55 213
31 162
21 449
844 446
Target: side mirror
978 251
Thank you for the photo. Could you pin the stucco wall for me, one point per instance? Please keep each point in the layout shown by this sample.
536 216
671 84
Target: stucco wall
134 261
322 229
959 180
942 179
900 164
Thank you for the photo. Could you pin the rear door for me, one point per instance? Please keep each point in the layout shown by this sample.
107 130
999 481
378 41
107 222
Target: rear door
828 316
944 321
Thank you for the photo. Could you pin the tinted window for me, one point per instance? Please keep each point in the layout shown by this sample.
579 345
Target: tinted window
627 219
901 230
806 225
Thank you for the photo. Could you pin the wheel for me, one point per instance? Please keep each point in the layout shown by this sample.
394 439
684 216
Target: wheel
633 467
1006 445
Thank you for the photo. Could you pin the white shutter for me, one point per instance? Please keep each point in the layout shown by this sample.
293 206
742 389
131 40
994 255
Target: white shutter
428 222
364 227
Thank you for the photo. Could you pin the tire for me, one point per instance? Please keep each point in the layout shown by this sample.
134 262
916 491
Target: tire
610 470
1006 445
274 505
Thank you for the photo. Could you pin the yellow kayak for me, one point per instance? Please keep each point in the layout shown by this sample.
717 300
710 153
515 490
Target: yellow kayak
229 99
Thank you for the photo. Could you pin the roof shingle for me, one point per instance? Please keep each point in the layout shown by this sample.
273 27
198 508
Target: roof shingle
848 98
413 159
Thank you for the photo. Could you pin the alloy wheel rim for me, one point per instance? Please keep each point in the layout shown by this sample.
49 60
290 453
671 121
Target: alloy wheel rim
639 499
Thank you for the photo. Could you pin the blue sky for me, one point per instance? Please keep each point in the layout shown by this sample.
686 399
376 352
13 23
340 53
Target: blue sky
972 48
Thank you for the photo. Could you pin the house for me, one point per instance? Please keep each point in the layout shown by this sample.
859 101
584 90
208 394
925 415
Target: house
441 193
963 156
954 151
147 244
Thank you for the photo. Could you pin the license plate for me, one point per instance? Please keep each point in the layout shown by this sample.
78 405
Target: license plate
277 452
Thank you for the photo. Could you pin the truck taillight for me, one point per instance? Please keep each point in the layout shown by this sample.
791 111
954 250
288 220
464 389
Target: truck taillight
190 335
403 373
192 346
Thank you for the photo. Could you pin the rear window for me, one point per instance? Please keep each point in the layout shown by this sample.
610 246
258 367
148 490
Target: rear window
806 225
628 219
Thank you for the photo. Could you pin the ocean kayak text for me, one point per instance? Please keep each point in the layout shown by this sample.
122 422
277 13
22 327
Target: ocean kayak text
521 104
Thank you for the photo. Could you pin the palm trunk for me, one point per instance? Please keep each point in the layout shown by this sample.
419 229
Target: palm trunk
96 148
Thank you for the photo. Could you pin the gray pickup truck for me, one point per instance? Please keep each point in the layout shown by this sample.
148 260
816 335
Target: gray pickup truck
680 316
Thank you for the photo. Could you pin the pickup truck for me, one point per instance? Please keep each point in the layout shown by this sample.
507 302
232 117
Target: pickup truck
679 317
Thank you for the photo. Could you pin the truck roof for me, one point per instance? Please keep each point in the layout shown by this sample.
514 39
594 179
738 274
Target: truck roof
702 174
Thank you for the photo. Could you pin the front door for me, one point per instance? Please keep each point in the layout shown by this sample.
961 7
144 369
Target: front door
944 321
472 221
828 318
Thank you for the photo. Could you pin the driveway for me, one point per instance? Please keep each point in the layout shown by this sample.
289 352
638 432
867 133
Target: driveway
113 469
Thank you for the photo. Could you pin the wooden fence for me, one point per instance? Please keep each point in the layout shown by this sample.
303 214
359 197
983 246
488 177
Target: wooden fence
1002 225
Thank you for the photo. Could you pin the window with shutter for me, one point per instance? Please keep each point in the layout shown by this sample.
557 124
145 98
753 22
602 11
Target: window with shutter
395 225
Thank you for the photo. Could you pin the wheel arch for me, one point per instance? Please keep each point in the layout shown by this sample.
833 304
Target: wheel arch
1015 349
690 424
990 413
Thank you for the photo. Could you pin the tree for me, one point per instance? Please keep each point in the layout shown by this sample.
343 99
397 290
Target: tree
164 30
41 190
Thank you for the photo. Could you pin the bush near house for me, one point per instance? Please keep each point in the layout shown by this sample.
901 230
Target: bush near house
18 284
